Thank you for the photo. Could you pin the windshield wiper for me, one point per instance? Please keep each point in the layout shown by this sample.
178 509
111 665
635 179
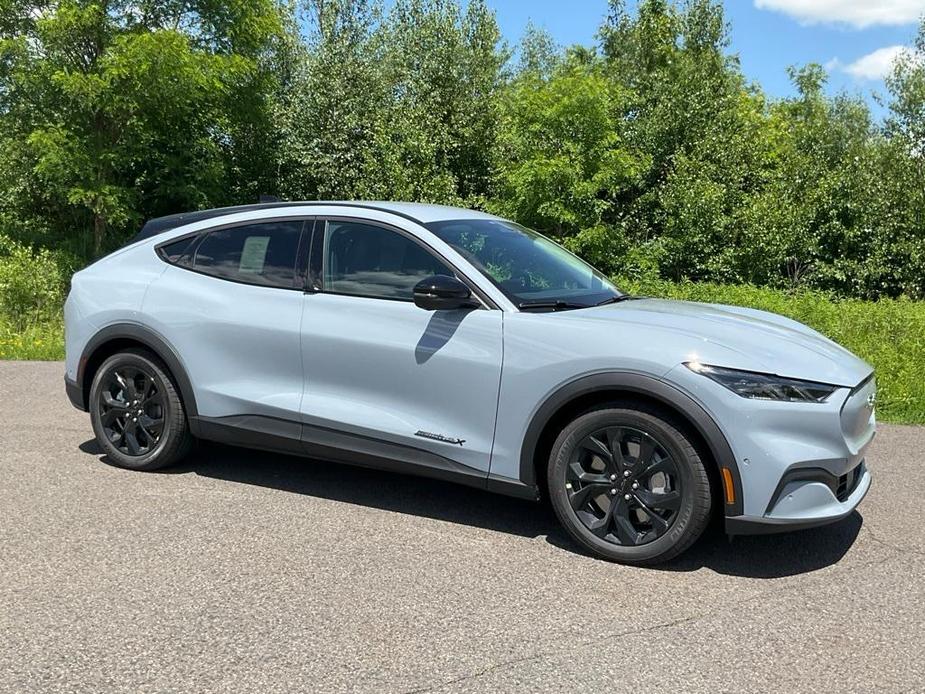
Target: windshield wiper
617 299
557 305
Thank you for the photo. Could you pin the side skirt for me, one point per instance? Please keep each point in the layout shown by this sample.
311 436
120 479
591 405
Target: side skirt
294 438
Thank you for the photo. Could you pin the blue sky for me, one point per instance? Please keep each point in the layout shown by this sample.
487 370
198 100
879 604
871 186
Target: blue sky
855 39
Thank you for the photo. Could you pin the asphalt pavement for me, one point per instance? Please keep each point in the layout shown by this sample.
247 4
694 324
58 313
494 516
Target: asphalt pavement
242 571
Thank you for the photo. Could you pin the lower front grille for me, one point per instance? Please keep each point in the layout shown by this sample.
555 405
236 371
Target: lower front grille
848 482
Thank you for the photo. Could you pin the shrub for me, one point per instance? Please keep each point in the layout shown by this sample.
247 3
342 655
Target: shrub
31 284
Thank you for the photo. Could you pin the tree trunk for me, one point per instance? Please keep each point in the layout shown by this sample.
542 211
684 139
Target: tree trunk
99 231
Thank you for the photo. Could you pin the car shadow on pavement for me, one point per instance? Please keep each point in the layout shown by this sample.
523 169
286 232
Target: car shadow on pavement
762 556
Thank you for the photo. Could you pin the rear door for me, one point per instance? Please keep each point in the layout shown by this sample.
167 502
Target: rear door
230 302
388 383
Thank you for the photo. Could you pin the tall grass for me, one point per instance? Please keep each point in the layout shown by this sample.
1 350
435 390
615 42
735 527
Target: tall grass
42 341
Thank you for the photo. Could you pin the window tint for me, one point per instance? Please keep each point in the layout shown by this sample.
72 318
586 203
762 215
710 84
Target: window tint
366 260
257 253
526 266
173 252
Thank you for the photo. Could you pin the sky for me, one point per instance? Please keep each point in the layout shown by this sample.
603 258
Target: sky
856 40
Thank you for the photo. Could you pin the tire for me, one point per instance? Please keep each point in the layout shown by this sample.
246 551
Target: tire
150 437
591 485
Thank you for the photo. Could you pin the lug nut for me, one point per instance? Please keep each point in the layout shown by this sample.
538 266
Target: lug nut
626 473
613 477
635 485
613 491
627 496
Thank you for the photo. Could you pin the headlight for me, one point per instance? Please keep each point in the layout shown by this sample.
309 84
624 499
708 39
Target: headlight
761 386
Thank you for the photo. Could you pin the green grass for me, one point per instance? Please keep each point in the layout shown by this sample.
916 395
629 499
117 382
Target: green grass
890 334
40 341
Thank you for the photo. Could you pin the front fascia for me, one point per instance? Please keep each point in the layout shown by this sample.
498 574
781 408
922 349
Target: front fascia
772 438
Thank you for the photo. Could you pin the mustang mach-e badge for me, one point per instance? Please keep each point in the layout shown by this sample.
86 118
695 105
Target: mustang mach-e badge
439 437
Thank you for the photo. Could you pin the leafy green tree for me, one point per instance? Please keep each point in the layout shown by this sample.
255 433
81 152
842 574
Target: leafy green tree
396 106
563 162
128 109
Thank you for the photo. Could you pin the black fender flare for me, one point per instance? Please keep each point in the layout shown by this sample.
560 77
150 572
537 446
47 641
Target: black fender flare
643 384
153 341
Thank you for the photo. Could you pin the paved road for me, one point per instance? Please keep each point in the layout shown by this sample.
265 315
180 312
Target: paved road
243 571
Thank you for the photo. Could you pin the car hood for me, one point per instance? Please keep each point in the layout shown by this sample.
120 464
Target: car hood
736 337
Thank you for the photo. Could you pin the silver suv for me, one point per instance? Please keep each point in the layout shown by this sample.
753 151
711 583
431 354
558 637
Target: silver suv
454 344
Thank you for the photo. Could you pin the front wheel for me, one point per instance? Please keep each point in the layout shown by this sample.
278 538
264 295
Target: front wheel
136 412
627 483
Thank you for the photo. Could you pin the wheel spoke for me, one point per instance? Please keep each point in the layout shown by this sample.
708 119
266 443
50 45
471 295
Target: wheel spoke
580 497
577 472
152 424
601 526
623 527
663 501
142 391
615 438
112 402
110 417
659 524
655 466
131 440
646 451
598 448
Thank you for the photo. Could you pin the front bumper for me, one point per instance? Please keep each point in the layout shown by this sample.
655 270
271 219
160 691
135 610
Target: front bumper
803 504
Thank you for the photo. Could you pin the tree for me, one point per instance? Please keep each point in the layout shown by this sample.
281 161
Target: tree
126 109
399 106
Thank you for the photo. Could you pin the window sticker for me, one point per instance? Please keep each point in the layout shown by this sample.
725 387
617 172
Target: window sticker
254 254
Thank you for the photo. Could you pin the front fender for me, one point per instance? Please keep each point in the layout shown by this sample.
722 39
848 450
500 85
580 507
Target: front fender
641 384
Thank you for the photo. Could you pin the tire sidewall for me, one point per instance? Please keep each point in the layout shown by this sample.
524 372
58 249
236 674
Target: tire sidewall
667 437
149 459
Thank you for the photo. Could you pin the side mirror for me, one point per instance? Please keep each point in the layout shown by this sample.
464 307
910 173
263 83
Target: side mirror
441 293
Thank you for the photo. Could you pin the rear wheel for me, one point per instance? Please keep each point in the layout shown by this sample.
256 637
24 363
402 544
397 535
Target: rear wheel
627 482
137 413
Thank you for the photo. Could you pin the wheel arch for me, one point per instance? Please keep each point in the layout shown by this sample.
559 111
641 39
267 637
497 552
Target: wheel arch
575 397
115 338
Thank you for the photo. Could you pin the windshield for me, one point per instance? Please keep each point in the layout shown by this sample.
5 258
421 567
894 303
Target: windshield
529 268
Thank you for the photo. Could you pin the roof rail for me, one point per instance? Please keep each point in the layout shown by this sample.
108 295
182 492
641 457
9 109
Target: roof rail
158 225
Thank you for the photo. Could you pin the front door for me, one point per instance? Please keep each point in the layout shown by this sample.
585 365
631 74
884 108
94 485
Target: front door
388 383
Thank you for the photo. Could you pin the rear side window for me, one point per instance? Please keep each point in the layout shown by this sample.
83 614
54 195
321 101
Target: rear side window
263 254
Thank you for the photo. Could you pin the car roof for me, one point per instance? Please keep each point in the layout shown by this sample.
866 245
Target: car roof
421 213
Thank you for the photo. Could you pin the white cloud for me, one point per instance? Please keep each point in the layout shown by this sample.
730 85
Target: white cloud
876 65
856 13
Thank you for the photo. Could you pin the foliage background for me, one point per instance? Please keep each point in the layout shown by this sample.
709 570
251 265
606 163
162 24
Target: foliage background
649 153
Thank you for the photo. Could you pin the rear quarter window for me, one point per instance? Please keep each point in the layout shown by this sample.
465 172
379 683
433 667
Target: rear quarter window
263 254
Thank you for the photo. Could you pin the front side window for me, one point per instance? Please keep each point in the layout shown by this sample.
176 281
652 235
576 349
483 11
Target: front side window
371 261
263 253
529 268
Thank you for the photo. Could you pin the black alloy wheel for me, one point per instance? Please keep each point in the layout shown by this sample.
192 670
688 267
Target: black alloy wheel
623 485
628 483
131 409
137 413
